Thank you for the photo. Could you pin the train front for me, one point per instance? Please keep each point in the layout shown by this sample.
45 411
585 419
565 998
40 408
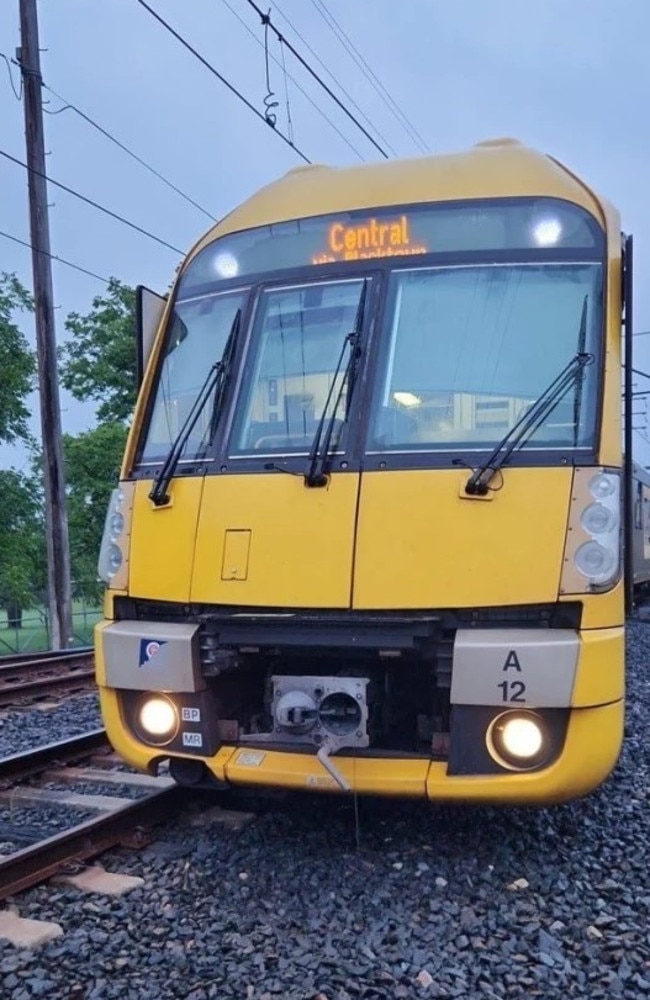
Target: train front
368 533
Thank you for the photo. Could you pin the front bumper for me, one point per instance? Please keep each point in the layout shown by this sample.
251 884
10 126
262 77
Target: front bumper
591 749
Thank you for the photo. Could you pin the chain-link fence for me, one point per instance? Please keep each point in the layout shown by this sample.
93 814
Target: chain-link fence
24 630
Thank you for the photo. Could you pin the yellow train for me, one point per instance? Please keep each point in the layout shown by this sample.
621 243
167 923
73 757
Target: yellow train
369 530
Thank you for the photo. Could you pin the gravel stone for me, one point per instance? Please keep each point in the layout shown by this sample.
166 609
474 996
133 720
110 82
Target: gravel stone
23 729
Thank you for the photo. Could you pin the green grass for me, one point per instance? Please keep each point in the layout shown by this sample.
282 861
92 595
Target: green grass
33 635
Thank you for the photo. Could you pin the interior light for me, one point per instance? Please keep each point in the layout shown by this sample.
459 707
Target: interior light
547 232
226 265
407 398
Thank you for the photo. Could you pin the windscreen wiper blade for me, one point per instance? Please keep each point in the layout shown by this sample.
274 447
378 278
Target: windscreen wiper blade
572 374
215 381
318 461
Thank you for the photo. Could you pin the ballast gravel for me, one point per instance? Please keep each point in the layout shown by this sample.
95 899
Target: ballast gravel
434 902
26 728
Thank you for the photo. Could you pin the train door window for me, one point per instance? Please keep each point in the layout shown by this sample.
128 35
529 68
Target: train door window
298 336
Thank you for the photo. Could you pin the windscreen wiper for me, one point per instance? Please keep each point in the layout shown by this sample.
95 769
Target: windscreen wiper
317 469
478 483
215 381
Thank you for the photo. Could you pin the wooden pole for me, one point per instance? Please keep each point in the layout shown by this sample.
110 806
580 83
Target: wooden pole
56 522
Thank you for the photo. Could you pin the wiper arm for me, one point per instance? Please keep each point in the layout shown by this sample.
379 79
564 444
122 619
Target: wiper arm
215 381
317 469
479 481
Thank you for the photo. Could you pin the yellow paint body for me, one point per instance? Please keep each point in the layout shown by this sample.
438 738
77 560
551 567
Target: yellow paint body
386 541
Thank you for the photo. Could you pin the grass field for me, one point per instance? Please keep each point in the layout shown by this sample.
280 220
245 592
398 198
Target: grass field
33 635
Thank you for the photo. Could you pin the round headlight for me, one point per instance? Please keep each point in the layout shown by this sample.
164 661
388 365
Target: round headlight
603 485
518 740
116 524
594 561
597 519
114 558
158 719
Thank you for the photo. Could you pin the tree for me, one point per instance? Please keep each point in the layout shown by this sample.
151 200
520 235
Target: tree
92 470
22 544
17 363
99 361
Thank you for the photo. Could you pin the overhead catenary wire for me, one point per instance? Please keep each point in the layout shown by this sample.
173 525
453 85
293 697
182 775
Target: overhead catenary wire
266 19
222 78
324 66
370 75
94 204
295 82
68 105
53 256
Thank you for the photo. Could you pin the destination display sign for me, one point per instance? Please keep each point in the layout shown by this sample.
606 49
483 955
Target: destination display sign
387 237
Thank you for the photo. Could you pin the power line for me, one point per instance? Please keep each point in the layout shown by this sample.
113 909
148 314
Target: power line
370 75
295 82
53 256
223 80
138 159
332 77
266 20
18 94
89 201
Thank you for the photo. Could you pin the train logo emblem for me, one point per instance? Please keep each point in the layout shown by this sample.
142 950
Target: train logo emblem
148 649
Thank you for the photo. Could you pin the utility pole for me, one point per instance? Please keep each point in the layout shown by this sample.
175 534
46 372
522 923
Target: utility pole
56 520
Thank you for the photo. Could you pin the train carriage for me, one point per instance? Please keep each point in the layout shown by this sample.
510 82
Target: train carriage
369 530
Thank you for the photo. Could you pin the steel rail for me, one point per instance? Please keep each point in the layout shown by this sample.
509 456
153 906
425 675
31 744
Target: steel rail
34 864
43 657
28 676
22 765
121 826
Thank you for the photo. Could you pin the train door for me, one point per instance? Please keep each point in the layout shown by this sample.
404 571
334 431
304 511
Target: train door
272 533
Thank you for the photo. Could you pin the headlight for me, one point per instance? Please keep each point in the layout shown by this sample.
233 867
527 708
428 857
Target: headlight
113 555
157 719
518 740
595 561
603 485
597 519
592 558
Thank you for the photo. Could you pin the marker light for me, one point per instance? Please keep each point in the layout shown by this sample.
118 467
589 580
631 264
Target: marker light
518 740
547 232
158 719
226 265
407 398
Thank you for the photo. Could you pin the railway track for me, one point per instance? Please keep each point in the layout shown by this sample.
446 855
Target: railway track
26 677
116 821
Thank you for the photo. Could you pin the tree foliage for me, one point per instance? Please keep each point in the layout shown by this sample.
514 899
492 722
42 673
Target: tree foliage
17 362
22 540
99 361
92 469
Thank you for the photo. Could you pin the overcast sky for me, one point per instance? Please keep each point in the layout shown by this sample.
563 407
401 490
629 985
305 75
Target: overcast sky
569 77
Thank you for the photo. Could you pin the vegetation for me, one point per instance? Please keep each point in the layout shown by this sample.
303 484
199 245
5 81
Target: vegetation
97 365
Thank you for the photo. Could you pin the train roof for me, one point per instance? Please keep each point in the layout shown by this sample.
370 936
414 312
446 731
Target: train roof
496 168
